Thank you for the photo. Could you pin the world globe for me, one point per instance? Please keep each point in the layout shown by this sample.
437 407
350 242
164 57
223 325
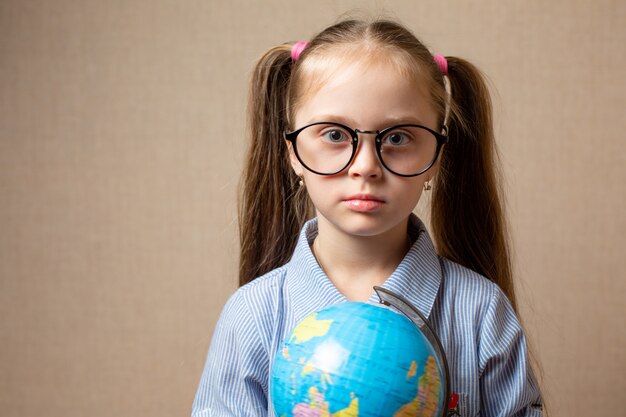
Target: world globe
359 359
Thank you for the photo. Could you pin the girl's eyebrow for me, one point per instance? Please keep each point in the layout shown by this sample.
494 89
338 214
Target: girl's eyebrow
385 122
330 118
408 119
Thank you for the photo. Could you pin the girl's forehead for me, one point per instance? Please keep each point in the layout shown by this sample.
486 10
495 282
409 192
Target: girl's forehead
360 85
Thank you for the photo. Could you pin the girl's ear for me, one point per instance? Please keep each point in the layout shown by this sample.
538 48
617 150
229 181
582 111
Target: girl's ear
293 159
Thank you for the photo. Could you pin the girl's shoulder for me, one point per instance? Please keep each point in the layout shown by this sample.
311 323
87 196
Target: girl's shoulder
455 274
463 286
251 310
257 293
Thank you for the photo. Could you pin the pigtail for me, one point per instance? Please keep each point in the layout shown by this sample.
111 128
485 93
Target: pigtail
467 212
272 208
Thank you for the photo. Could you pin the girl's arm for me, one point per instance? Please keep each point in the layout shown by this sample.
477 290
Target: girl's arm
233 381
507 384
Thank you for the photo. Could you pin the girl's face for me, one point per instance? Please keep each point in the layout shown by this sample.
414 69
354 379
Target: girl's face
365 199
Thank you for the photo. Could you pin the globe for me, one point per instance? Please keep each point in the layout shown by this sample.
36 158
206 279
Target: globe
357 359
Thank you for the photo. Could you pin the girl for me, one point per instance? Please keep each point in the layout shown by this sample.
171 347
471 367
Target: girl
350 128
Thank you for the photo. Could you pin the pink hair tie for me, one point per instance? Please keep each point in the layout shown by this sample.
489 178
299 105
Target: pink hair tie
297 49
441 62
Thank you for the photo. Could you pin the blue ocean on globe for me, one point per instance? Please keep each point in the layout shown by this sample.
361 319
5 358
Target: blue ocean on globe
356 359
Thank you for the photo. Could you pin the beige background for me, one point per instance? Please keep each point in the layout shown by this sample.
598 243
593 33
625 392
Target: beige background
120 149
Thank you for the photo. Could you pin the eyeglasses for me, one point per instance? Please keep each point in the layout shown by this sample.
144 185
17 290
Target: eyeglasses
406 150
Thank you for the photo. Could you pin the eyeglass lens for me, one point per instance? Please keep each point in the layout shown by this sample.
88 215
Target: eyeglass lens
328 148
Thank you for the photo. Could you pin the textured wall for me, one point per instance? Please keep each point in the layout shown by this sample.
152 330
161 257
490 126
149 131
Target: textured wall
120 148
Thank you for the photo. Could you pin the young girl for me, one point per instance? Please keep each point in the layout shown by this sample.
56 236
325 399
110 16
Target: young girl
347 131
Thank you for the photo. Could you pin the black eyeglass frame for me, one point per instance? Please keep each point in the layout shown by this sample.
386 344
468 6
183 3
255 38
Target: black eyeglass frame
442 139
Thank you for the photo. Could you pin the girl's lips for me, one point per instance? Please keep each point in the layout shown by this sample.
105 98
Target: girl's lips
364 203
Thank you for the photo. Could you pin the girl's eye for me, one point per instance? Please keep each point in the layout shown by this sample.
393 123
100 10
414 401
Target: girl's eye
396 138
335 136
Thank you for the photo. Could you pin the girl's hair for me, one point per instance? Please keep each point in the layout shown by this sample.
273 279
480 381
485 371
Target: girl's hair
467 211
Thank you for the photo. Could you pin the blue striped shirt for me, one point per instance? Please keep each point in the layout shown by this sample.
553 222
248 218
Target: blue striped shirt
480 333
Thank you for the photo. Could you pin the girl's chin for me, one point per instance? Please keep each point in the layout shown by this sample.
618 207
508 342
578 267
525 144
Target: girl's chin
364 224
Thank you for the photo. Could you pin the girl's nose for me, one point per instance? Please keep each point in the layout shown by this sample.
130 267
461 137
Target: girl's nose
366 163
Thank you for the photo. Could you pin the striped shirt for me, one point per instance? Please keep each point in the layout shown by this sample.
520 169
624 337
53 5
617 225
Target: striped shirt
480 333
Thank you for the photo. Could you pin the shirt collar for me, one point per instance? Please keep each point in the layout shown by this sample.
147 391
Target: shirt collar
417 277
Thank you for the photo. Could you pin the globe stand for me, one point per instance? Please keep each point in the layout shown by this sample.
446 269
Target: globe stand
400 303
